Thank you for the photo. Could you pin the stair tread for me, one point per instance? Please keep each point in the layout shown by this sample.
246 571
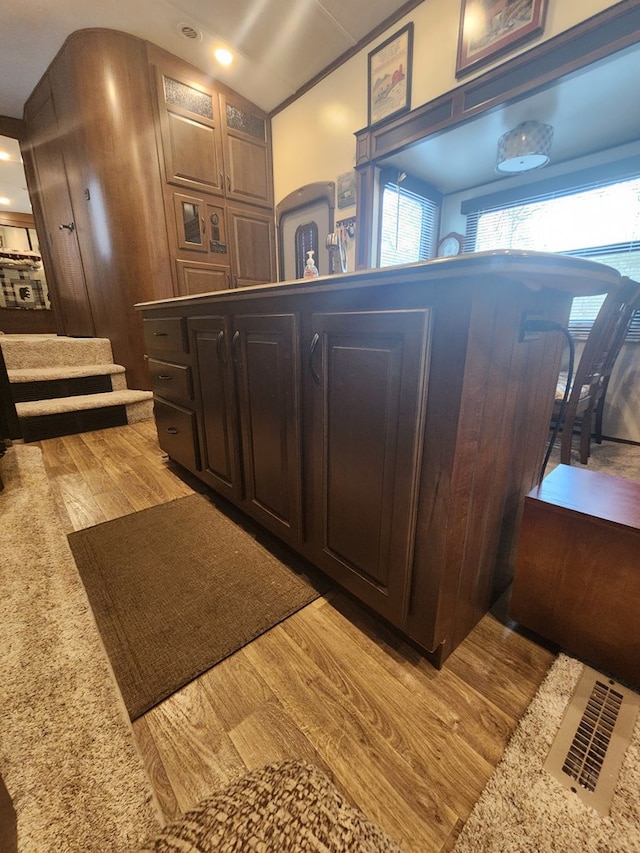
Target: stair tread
43 351
43 374
37 408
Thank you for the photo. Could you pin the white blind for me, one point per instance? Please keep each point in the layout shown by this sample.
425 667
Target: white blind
600 221
408 224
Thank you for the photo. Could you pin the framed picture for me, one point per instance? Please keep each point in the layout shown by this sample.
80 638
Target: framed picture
346 187
390 76
489 28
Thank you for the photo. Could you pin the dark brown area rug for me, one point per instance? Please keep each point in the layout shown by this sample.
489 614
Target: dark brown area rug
177 588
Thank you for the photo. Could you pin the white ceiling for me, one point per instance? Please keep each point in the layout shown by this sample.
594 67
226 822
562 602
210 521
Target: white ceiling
279 44
282 44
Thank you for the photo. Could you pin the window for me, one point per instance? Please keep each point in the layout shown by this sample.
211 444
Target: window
408 220
600 221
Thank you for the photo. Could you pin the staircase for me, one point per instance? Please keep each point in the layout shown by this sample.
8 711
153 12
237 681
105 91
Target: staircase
62 386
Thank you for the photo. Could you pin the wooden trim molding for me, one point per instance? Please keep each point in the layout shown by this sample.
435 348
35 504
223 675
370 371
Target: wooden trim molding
534 70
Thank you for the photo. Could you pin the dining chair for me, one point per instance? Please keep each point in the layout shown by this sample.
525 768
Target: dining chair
589 386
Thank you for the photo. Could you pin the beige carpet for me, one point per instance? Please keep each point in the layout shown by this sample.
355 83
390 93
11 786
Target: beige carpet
523 809
67 752
178 587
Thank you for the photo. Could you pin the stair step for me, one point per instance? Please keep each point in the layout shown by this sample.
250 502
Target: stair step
46 374
23 352
37 408
44 419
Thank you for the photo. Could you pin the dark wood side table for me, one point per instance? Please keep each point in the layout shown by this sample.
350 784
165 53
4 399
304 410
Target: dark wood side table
577 572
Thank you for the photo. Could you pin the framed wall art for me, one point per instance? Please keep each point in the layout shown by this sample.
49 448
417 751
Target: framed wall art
390 76
490 28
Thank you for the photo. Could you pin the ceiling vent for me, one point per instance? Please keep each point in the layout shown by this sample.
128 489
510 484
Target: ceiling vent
589 748
189 32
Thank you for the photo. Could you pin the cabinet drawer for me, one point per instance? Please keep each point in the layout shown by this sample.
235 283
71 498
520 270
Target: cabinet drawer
177 433
166 334
171 380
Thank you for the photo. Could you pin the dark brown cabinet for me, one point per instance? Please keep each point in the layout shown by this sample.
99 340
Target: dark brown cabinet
216 147
248 397
388 423
369 373
149 178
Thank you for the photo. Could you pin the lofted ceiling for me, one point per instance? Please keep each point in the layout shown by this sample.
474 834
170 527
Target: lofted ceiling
279 45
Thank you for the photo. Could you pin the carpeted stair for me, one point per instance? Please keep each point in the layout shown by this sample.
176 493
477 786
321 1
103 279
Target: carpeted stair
63 385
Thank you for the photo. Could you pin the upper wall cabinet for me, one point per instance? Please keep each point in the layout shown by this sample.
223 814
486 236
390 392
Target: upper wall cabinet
213 140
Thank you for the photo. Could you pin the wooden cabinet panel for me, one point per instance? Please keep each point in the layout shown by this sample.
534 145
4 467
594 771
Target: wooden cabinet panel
172 381
190 130
68 290
266 358
177 433
247 151
252 243
194 278
165 334
370 370
216 396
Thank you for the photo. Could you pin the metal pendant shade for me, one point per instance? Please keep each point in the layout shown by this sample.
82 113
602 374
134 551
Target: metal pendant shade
526 147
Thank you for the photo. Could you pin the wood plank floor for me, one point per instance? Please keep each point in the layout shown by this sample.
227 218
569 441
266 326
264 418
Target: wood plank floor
411 746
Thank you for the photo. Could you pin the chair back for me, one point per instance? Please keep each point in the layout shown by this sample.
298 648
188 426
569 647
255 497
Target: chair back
596 363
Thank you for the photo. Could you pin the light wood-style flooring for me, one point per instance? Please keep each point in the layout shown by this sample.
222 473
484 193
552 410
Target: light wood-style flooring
411 746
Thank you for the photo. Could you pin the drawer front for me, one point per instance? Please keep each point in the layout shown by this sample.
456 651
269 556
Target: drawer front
172 381
177 433
166 334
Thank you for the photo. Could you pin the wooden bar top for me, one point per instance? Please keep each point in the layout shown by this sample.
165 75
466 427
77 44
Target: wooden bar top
591 493
533 270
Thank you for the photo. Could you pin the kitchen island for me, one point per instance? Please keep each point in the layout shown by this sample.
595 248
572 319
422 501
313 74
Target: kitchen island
385 424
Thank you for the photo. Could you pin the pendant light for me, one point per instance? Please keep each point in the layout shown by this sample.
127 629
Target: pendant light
526 147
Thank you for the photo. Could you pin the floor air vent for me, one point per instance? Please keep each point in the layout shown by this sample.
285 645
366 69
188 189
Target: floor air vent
589 748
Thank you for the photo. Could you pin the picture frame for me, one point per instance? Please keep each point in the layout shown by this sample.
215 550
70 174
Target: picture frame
346 189
389 76
491 28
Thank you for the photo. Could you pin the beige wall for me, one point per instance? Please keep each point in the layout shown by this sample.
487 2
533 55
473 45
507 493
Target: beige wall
313 139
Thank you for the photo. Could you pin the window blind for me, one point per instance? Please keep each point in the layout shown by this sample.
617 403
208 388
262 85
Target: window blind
408 225
599 220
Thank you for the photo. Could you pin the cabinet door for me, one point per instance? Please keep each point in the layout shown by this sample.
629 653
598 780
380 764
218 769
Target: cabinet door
200 244
247 151
191 133
215 397
369 374
69 296
266 355
252 244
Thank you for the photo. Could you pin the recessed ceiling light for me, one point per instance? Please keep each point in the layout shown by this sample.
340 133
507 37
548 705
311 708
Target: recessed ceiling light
224 56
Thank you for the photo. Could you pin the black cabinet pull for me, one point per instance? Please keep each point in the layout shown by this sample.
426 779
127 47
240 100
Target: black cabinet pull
312 349
164 377
173 430
220 347
160 334
235 340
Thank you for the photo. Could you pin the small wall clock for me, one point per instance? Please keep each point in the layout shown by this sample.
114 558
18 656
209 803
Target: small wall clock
450 245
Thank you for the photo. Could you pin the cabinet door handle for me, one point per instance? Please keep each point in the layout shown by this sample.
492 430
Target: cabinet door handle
160 334
221 180
164 377
220 347
228 183
69 226
235 341
312 349
173 430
